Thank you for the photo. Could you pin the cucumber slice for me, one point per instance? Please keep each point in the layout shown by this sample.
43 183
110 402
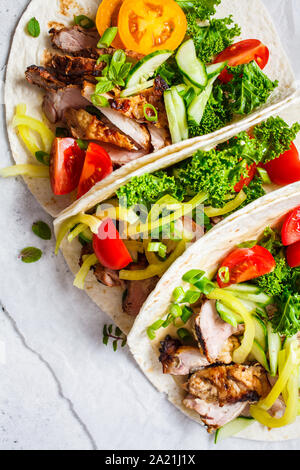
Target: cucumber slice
228 315
274 346
244 288
134 90
146 67
86 236
180 111
250 293
261 334
172 118
181 88
189 64
190 85
232 428
198 105
215 69
260 355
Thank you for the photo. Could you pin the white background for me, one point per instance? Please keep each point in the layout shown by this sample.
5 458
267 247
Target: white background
60 388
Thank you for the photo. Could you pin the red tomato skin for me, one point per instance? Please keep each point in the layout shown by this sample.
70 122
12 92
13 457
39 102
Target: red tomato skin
97 166
293 255
66 164
109 248
286 168
245 264
290 232
246 181
243 52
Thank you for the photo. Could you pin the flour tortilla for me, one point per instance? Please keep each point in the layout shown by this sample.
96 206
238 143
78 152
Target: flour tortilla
206 254
251 15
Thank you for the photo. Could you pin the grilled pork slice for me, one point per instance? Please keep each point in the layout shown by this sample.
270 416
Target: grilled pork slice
87 127
227 384
57 102
43 78
211 331
107 276
75 69
137 132
160 137
136 294
120 157
180 360
74 39
213 415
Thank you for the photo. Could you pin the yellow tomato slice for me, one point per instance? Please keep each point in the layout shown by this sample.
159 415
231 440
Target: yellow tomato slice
107 16
146 26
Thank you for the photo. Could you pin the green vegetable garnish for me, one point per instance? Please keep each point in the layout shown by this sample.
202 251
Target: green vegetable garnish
84 21
43 157
152 109
33 28
42 230
82 144
108 37
30 254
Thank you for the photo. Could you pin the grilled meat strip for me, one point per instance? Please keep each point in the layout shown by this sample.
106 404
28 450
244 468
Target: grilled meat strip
180 360
213 415
74 39
75 69
228 384
87 127
57 102
119 156
106 276
43 78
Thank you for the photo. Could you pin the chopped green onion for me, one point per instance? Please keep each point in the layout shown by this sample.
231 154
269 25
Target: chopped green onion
205 286
183 333
264 175
248 244
108 37
84 21
151 333
175 311
224 274
99 100
152 108
191 297
178 294
158 247
186 314
156 325
82 144
192 274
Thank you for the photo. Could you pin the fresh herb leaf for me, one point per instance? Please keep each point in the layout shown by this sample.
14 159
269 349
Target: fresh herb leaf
82 144
286 320
31 254
33 28
43 157
117 336
42 230
201 9
84 21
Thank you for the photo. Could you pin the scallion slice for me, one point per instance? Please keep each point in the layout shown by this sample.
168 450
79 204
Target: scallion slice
153 109
108 37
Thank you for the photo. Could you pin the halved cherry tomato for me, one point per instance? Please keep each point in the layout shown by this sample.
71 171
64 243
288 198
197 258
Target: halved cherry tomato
286 168
244 181
147 26
293 255
97 166
109 248
107 16
66 164
247 263
243 52
290 232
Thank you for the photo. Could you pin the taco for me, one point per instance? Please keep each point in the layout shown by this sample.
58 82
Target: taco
103 95
220 334
128 235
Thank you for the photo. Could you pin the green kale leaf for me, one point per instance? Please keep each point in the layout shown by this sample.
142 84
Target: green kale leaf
201 9
286 320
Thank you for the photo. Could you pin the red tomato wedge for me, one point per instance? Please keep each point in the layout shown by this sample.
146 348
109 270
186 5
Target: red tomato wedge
247 263
243 52
97 166
109 248
290 232
66 164
244 181
286 168
293 255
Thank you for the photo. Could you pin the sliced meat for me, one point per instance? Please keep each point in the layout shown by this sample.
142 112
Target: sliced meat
160 137
74 39
132 107
137 132
108 277
75 69
227 384
57 102
213 415
43 78
211 331
120 157
137 293
180 360
88 127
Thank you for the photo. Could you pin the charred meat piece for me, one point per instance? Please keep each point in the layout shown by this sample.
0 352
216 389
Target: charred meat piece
228 384
108 277
74 39
211 331
213 415
75 69
132 107
180 360
137 293
87 127
43 78
57 102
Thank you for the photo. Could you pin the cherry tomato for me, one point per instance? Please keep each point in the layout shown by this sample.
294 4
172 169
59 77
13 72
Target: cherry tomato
97 166
247 263
66 164
148 26
293 255
286 168
244 181
243 52
107 16
290 232
109 248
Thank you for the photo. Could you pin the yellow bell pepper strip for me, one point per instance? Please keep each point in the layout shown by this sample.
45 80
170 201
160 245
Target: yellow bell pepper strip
77 231
33 171
241 353
185 209
229 207
45 133
291 411
152 270
281 362
89 220
28 139
84 270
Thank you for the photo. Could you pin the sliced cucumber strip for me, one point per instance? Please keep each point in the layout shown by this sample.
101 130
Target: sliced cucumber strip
134 90
260 355
146 67
198 105
215 69
274 346
250 293
232 428
228 315
244 287
172 118
261 334
190 85
86 236
189 64
181 88
180 111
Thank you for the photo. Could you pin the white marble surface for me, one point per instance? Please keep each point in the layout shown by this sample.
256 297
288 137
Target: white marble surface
60 387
